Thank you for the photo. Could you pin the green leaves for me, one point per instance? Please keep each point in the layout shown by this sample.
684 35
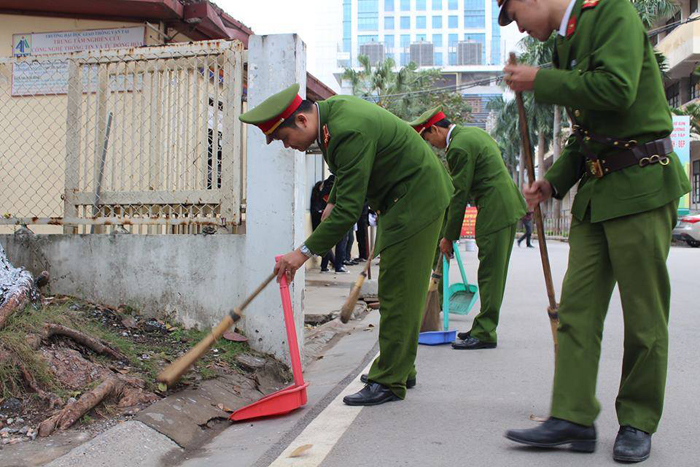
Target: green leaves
408 91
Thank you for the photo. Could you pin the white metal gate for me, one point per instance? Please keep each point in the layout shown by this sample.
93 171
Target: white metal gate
152 140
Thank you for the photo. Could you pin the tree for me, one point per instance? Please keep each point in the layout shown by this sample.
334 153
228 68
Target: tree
653 11
406 92
693 111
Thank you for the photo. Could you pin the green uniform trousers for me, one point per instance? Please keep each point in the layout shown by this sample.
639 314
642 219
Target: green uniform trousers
630 251
404 274
494 256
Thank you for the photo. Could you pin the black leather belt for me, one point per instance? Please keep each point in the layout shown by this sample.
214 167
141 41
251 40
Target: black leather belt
653 152
627 153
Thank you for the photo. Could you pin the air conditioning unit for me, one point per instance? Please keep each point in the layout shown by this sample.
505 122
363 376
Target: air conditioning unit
374 50
469 53
422 53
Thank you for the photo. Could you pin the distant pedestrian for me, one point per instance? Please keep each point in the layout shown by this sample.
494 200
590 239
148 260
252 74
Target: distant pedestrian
319 195
527 224
361 234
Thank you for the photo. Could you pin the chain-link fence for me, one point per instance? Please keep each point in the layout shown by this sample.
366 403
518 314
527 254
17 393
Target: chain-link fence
144 139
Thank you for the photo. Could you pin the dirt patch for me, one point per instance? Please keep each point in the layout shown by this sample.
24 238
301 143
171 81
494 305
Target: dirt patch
46 372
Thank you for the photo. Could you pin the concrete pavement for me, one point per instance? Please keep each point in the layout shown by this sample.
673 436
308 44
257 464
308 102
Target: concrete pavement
465 400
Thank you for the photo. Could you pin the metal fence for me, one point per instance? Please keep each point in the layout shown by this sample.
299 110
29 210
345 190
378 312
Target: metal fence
557 226
144 139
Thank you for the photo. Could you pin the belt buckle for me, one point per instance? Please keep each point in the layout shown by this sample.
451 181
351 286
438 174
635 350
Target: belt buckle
595 168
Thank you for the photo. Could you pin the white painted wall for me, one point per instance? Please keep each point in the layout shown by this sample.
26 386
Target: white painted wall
276 186
199 278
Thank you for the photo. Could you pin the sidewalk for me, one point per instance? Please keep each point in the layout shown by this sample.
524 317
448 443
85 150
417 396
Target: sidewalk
134 443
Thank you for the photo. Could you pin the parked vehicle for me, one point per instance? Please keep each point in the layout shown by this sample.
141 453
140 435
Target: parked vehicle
688 230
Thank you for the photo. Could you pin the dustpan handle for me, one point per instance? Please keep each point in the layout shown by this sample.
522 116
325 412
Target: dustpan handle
455 247
445 292
291 330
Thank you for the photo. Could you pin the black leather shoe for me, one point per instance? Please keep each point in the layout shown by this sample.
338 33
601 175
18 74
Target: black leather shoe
371 394
472 343
463 335
410 383
556 432
632 445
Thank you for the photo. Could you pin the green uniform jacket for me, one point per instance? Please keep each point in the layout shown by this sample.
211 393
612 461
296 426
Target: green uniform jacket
478 173
609 78
377 156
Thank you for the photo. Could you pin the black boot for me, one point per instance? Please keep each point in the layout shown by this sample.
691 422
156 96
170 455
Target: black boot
557 432
410 383
632 445
472 343
371 394
463 335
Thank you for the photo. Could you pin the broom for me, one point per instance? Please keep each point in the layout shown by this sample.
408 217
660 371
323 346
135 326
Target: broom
349 305
552 311
172 373
431 313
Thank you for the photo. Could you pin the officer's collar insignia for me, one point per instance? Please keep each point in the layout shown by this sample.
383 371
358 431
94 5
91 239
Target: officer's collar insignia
571 27
589 4
326 136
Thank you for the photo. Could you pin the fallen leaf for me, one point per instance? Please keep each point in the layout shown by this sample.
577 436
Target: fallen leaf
129 323
370 325
224 408
298 452
162 387
235 337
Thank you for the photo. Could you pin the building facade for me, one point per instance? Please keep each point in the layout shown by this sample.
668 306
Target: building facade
680 45
460 37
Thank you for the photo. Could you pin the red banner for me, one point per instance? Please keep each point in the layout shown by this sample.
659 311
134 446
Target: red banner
469 223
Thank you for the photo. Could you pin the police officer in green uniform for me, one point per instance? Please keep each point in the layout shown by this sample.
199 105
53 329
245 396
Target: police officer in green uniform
479 174
378 157
630 182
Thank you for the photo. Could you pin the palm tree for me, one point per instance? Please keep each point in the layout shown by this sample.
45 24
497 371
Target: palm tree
405 92
693 111
653 11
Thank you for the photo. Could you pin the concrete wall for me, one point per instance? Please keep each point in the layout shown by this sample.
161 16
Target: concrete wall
276 183
199 278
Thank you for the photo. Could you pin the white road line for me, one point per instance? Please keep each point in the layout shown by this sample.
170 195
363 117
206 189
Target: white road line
324 431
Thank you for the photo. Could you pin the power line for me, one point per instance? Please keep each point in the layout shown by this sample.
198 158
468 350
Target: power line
659 30
498 78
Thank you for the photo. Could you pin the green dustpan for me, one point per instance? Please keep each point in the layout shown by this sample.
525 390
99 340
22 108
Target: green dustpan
462 296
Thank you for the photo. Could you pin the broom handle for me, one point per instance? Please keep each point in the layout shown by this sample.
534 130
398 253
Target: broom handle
172 373
527 151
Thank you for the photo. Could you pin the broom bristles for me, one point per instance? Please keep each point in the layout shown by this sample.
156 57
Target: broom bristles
349 305
431 313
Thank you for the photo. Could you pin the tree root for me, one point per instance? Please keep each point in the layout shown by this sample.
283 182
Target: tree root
83 339
110 386
52 399
17 301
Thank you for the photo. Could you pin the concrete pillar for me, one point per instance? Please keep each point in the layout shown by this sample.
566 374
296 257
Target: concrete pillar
276 194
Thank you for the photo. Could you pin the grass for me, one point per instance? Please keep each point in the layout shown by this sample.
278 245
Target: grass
13 340
158 347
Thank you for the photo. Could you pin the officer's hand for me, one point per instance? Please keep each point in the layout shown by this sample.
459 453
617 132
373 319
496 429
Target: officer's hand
289 263
537 193
327 211
446 247
520 77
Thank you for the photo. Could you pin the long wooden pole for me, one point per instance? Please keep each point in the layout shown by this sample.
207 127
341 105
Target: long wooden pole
552 311
172 373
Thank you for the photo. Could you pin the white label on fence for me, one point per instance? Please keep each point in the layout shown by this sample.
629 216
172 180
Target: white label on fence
63 42
48 77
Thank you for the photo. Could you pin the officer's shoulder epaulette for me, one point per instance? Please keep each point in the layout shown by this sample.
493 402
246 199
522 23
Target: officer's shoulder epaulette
589 4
